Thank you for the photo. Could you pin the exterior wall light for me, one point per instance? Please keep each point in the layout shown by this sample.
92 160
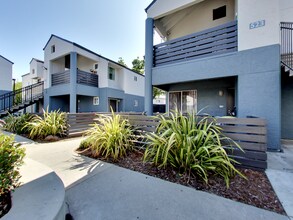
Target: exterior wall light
221 93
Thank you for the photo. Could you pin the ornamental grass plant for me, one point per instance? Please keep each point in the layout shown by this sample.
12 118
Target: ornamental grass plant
52 123
192 144
15 124
110 137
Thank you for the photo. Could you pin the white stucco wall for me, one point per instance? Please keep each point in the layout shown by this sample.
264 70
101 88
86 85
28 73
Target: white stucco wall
5 75
124 79
163 7
131 86
26 80
61 49
286 10
198 17
251 11
38 67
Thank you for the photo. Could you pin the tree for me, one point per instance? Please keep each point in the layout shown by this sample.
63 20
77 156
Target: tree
157 92
138 65
18 96
122 62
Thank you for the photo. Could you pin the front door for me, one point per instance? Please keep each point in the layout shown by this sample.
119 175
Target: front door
113 103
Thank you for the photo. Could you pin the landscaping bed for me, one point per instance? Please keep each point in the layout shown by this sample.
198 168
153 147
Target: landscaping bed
256 190
5 203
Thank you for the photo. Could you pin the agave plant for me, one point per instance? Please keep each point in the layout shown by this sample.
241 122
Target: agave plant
191 144
110 137
52 123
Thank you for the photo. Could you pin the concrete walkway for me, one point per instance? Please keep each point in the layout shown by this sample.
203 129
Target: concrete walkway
97 190
280 174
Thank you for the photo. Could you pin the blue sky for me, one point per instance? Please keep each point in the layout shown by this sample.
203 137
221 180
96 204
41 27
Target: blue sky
112 28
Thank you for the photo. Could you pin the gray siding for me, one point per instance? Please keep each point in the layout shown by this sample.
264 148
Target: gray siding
208 99
258 88
60 103
55 99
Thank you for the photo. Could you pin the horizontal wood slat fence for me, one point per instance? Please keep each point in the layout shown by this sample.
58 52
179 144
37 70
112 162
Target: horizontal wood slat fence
249 133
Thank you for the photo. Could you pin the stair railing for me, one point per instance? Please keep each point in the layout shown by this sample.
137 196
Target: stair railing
287 44
21 96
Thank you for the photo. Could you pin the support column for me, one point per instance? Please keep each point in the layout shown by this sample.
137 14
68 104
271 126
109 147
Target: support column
149 36
73 78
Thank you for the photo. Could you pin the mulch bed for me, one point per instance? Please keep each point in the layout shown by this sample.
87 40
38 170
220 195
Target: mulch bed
256 190
5 204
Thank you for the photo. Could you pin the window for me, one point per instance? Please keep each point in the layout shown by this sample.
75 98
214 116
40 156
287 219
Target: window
111 73
219 12
135 78
183 101
96 66
67 61
33 71
53 49
96 100
135 103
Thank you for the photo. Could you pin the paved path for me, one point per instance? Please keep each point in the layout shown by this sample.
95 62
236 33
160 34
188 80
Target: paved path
97 190
280 174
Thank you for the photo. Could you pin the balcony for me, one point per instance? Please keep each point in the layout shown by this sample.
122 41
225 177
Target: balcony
214 41
83 78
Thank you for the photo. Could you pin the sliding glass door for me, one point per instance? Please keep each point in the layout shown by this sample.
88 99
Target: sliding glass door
183 101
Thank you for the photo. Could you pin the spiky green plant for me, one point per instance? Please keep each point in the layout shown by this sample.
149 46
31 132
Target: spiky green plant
52 123
110 137
190 144
15 124
11 158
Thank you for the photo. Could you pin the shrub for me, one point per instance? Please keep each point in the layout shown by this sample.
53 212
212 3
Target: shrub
11 158
190 143
84 144
52 123
16 124
110 137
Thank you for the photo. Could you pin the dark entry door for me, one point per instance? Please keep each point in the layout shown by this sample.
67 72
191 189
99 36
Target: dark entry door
230 100
113 105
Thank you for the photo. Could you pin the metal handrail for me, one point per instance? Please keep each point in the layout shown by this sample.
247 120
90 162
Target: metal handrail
21 96
287 44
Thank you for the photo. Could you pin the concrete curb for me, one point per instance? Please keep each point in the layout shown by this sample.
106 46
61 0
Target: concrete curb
41 196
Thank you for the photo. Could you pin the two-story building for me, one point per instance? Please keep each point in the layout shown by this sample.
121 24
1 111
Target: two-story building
224 56
6 75
34 76
77 79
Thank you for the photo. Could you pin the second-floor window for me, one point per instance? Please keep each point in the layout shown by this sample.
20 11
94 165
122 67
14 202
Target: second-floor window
33 71
53 49
219 12
111 73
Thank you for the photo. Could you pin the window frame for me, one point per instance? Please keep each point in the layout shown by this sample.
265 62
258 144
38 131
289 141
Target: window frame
111 73
217 12
53 49
181 99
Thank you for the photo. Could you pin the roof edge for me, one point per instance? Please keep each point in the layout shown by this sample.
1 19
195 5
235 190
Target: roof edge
92 52
150 5
39 61
6 59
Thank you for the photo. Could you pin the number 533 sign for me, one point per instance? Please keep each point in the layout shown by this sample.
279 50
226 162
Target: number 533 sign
257 24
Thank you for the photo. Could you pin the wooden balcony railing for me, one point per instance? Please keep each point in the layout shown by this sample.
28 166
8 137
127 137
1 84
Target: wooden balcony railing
210 42
61 78
88 79
83 78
